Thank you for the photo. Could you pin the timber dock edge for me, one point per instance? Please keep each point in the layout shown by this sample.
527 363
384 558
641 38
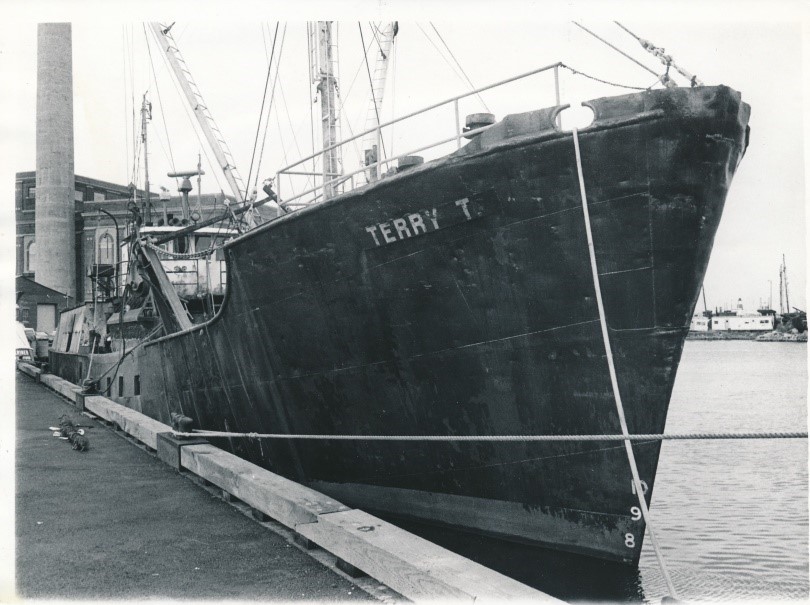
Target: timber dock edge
414 567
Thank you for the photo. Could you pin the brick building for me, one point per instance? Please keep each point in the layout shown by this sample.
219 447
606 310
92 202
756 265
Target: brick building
101 217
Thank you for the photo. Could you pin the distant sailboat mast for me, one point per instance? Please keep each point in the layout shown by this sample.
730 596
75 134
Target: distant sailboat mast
783 283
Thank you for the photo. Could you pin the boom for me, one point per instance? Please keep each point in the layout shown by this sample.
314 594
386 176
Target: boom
200 109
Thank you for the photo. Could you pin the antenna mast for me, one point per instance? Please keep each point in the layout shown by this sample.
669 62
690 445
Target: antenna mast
146 114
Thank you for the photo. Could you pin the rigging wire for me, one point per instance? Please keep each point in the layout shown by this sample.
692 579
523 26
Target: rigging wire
261 110
393 91
440 53
338 111
375 30
576 72
180 35
621 52
627 30
136 161
270 106
160 106
292 130
664 58
126 125
309 99
194 126
472 86
264 42
132 92
283 149
212 166
371 86
345 98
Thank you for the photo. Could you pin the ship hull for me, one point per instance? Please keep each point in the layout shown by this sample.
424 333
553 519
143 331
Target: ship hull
457 298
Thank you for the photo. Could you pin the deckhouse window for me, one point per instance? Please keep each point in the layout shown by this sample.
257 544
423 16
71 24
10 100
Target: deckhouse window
181 245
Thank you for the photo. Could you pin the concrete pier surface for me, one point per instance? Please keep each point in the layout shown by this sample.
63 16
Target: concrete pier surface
116 523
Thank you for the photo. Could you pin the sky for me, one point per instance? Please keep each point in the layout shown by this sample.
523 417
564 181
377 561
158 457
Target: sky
758 48
756 52
113 68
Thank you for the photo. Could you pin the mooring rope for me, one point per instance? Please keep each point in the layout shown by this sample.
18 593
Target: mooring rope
498 438
614 381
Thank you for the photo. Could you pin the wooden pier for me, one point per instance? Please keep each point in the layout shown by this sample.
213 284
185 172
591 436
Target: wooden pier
363 544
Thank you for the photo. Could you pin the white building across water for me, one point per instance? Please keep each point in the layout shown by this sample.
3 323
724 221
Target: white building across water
733 320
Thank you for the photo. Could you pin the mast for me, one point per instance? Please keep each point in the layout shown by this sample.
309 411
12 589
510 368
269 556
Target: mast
146 114
371 143
781 300
323 72
787 296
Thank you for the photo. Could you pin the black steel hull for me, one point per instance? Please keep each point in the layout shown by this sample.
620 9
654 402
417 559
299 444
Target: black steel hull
457 299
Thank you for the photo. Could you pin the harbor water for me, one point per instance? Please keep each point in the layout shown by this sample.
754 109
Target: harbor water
730 516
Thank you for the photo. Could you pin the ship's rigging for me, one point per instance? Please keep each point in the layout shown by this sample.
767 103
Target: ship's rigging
212 133
323 61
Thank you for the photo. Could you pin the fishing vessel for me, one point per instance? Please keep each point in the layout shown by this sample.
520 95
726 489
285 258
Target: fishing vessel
466 296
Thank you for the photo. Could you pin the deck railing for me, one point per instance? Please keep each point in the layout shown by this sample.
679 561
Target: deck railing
374 170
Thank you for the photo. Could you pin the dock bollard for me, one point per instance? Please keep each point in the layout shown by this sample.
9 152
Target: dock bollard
169 444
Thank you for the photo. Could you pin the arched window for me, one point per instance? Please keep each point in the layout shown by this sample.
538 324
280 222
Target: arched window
30 257
106 250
